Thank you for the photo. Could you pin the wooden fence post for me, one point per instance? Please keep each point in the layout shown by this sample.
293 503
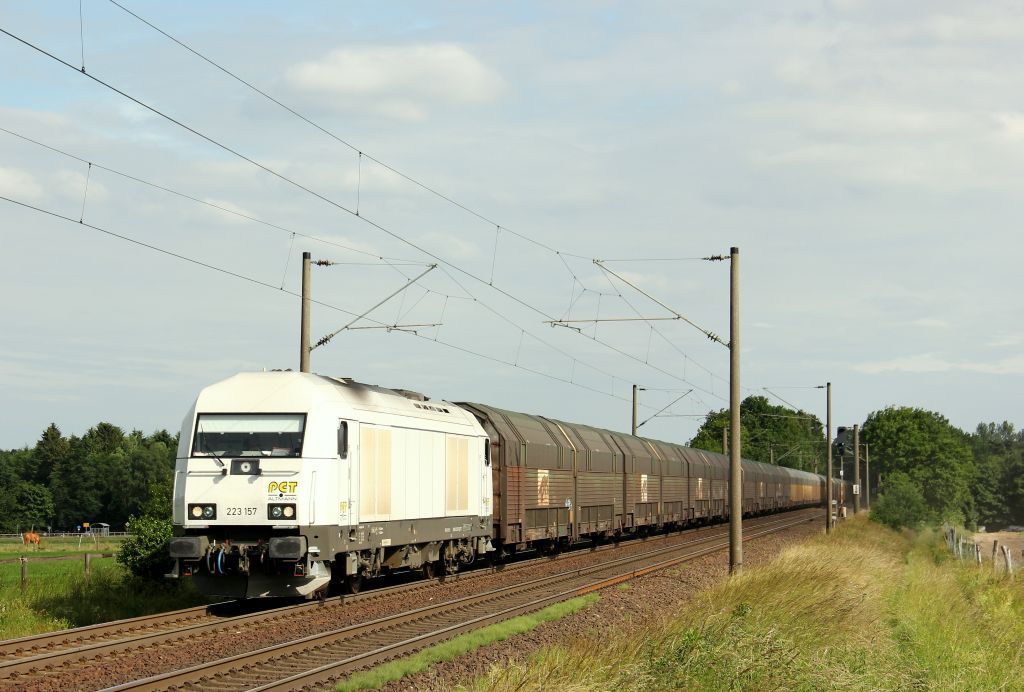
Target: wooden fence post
1009 560
995 551
24 574
88 563
977 553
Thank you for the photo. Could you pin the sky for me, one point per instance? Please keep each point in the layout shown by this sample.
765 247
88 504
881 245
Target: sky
866 159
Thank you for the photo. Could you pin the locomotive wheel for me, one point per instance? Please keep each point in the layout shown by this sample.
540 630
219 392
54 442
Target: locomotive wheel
353 583
431 570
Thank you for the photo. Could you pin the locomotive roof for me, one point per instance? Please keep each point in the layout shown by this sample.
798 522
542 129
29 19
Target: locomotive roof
285 390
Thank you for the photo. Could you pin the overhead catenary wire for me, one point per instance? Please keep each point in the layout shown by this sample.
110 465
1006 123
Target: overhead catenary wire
81 31
326 199
361 153
207 203
325 304
335 333
663 408
711 335
792 406
669 342
392 262
155 248
335 137
85 192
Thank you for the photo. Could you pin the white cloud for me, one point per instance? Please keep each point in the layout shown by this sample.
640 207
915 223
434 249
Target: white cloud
1011 126
930 363
931 322
1007 340
925 362
19 185
398 81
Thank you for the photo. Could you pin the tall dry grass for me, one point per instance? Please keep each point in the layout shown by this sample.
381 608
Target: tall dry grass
863 609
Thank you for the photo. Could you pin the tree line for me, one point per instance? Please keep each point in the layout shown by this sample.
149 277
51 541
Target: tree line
930 470
924 469
63 482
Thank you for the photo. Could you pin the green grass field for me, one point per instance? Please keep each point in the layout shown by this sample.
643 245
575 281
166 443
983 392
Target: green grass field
12 548
59 595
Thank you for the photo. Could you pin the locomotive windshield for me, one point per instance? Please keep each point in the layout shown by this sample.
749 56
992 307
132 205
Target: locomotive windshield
249 435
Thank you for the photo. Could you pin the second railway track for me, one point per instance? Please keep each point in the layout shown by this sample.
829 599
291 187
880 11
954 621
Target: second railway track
50 661
324 658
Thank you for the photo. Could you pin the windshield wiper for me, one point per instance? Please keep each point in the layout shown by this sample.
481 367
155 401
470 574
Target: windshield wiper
213 453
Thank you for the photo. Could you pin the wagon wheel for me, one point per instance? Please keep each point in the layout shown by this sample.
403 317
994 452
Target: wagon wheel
353 583
432 570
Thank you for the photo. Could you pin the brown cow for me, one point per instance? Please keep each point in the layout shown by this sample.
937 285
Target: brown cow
32 537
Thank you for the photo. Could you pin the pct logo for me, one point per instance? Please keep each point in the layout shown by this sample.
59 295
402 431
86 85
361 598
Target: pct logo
283 487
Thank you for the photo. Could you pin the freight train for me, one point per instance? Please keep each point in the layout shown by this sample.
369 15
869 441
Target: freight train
288 484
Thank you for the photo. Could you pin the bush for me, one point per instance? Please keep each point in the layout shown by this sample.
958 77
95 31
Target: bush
145 552
901 505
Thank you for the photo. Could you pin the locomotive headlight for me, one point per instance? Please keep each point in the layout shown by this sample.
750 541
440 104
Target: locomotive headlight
280 511
199 511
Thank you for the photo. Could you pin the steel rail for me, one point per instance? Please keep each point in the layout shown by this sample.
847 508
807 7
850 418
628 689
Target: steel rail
319 658
31 645
57 648
32 655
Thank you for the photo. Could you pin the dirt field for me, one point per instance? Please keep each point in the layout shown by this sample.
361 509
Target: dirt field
1014 540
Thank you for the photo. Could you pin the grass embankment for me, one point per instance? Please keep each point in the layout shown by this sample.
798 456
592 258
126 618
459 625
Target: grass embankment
864 609
59 595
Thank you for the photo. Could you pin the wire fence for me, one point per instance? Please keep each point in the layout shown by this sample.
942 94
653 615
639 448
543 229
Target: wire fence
966 549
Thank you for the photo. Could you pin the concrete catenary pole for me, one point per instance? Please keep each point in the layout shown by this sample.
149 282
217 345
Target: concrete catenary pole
867 476
828 451
304 323
735 471
634 410
856 468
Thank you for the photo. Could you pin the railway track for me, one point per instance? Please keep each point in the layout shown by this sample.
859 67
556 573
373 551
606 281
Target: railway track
42 649
350 646
324 658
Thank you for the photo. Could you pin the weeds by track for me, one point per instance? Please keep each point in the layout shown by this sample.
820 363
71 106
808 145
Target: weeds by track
61 653
320 659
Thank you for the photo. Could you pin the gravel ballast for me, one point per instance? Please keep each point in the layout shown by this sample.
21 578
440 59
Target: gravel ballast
647 597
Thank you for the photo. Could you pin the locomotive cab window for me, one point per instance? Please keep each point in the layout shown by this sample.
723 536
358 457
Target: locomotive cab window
343 439
249 435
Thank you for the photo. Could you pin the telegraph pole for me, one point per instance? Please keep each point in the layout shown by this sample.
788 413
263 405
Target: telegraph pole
856 468
828 445
867 476
735 471
634 410
304 323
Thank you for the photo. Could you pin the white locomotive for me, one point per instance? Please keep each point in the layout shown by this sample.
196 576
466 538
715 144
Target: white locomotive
286 480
